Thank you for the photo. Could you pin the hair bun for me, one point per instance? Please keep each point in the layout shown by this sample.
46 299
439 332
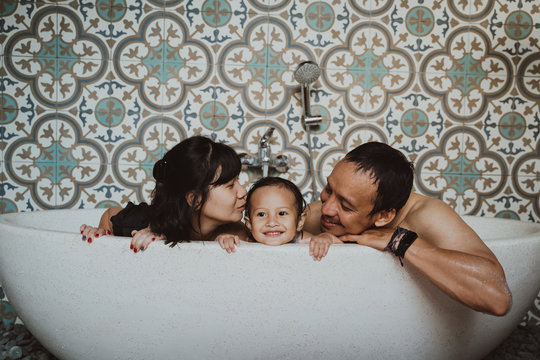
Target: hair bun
160 170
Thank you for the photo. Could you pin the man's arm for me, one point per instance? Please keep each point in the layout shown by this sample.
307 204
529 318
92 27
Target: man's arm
450 254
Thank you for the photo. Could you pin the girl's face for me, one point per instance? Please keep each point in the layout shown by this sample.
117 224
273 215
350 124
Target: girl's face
225 203
273 218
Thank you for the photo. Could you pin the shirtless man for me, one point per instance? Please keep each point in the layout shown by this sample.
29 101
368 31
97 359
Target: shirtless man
368 196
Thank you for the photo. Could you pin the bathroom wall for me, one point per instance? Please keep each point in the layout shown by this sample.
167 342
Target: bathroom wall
94 92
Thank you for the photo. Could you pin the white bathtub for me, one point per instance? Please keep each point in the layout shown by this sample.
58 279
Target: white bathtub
102 301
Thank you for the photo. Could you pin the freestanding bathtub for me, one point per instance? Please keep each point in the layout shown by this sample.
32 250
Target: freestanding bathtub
195 301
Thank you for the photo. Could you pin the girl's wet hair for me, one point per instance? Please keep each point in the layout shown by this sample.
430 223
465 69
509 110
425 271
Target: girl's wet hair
194 166
300 203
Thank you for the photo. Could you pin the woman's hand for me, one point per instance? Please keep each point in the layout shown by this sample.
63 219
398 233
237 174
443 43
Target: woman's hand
142 238
228 242
89 232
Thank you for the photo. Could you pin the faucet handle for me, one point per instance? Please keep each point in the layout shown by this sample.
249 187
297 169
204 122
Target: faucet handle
247 160
265 139
281 163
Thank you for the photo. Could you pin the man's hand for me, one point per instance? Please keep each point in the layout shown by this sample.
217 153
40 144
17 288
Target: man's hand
376 238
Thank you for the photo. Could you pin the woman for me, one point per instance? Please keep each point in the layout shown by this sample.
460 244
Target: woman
197 196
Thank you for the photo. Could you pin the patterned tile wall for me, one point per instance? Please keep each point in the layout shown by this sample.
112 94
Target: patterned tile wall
94 92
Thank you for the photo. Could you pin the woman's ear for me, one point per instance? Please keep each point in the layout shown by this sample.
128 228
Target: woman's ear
192 201
301 221
189 198
384 217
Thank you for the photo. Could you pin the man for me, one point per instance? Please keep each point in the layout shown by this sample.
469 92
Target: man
368 200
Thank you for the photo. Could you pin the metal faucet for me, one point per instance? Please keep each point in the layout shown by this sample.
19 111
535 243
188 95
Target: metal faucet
264 158
264 150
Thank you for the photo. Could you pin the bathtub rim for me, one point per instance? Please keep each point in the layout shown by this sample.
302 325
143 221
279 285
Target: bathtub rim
529 229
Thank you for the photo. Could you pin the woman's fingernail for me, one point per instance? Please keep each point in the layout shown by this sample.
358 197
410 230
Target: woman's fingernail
97 235
131 246
84 237
108 232
154 239
142 248
89 239
134 250
82 231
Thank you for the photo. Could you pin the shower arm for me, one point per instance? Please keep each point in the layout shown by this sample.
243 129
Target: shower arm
309 120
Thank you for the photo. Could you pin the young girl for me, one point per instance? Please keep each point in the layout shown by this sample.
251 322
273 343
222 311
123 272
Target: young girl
275 215
197 196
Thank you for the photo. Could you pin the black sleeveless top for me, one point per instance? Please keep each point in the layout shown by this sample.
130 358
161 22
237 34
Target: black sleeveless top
132 217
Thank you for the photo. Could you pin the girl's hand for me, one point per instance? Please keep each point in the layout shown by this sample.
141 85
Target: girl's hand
142 238
228 242
88 233
319 245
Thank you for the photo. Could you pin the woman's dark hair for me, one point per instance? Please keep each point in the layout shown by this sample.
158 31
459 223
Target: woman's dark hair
391 171
300 203
194 165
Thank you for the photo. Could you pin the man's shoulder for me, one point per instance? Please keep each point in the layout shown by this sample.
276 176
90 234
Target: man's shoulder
418 202
420 206
313 217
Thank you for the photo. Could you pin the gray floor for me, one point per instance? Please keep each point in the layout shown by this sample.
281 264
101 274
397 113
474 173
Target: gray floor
522 344
18 343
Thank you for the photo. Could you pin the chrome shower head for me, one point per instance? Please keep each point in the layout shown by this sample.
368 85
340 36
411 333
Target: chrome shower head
307 72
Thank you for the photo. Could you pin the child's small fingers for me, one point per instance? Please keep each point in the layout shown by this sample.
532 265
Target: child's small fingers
321 251
315 252
324 250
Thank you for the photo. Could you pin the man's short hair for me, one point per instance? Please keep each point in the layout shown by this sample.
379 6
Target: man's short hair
390 170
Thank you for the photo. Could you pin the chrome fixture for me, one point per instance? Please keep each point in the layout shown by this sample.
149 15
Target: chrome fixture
264 158
307 73
264 150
